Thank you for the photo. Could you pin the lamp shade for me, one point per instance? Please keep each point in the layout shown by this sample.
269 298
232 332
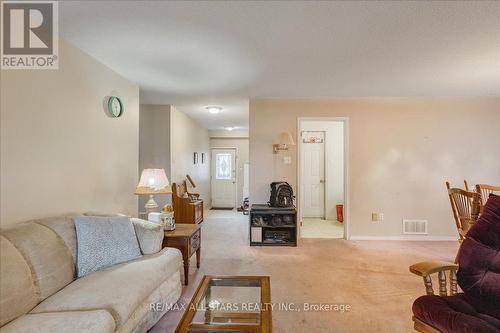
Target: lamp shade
286 139
153 181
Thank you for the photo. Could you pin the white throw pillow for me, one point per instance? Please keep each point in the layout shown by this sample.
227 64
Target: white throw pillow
103 242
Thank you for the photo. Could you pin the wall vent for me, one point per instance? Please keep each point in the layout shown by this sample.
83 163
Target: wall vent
415 227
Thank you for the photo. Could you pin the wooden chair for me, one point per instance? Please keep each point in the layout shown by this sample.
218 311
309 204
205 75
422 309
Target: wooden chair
465 206
469 256
466 185
188 207
425 270
485 190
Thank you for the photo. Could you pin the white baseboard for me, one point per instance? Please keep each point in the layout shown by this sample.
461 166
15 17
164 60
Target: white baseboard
406 238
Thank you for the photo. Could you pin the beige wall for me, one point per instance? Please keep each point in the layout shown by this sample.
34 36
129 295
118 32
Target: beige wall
401 151
242 157
154 145
187 137
60 152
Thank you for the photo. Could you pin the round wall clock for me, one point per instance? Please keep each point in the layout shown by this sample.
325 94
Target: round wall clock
115 106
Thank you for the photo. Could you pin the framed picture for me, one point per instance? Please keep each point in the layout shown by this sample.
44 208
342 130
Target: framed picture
195 158
202 158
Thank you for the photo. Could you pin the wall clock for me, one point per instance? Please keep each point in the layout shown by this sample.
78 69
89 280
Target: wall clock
115 107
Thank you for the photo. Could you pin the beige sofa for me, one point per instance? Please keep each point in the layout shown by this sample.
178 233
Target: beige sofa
39 292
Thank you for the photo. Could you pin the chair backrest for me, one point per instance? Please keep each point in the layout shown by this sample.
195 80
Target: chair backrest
466 185
465 206
485 190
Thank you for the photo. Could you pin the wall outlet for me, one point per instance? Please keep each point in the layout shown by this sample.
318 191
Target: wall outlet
287 159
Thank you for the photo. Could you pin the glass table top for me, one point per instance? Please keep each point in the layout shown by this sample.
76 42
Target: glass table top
229 303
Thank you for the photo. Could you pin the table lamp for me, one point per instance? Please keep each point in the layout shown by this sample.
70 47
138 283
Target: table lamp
153 181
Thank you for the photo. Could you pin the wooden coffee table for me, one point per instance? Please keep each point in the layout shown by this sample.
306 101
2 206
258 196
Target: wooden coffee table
186 238
229 303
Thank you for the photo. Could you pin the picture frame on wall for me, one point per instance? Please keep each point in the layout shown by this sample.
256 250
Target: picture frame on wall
202 158
195 158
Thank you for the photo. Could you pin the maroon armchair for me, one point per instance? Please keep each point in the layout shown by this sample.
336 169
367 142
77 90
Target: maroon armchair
477 308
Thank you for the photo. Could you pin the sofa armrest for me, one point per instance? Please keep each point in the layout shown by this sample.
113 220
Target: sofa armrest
149 234
429 267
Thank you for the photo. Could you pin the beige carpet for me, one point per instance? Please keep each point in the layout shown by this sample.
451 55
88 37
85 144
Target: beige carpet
371 276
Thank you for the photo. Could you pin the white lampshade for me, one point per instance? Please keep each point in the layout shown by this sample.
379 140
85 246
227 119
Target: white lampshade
153 181
285 139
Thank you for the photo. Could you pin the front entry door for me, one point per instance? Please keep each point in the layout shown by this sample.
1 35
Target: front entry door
313 174
223 178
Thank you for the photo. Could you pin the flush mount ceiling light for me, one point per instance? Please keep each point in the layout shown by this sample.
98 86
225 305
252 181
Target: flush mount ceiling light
214 109
229 128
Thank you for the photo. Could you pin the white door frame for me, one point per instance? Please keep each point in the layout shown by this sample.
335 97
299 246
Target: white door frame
235 175
347 214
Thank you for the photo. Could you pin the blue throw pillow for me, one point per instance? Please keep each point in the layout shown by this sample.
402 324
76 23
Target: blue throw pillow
103 242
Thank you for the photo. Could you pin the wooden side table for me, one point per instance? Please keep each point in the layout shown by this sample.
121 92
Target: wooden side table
186 238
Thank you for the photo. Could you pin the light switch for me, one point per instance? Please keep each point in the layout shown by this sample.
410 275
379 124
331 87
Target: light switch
287 159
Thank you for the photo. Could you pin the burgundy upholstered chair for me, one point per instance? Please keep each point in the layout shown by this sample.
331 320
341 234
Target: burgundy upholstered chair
477 309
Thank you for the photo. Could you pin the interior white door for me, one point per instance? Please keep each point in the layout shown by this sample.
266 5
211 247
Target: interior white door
313 174
223 178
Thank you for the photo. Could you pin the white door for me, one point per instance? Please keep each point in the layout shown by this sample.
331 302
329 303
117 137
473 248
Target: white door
223 178
313 174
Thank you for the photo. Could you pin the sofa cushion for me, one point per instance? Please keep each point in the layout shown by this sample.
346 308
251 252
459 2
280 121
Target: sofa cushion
120 289
64 227
104 241
47 256
479 261
145 316
17 286
453 314
487 228
150 235
97 321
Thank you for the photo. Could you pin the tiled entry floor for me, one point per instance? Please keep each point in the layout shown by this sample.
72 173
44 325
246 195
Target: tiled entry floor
319 228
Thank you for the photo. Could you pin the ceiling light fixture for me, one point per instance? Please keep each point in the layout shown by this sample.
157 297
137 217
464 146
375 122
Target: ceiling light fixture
214 109
229 128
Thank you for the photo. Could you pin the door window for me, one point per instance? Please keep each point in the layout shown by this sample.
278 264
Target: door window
223 166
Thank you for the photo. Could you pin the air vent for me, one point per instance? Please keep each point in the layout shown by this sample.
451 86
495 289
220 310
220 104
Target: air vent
415 227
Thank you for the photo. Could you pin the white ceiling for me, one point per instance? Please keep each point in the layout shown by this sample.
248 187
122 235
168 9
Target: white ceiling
193 54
